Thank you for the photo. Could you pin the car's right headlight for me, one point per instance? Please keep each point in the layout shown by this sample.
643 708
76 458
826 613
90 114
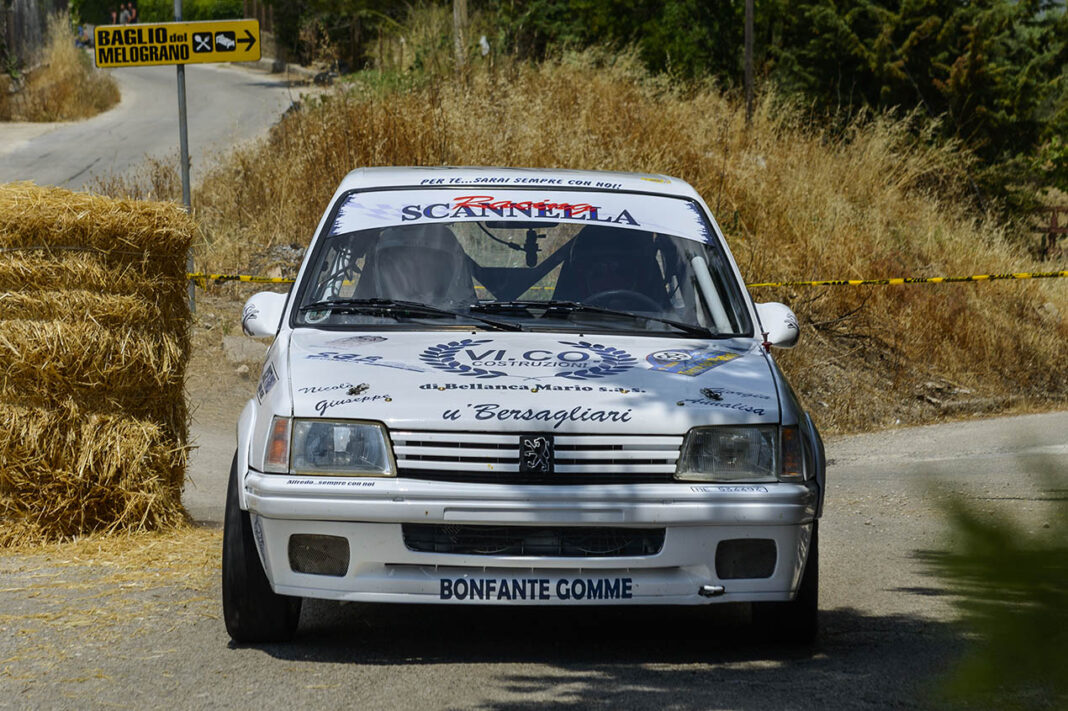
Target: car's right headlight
329 447
745 453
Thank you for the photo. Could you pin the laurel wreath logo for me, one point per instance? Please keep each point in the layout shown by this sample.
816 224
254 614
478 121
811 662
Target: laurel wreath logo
443 357
613 361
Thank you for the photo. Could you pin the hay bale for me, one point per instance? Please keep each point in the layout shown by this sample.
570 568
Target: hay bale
56 356
94 340
80 305
68 472
32 216
39 270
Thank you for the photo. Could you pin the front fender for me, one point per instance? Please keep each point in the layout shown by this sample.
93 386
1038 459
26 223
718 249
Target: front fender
819 457
245 425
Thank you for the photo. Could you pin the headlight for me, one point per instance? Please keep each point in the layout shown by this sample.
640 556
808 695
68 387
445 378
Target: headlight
341 447
749 453
325 447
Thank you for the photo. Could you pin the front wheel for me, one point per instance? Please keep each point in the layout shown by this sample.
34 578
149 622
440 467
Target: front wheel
797 621
252 610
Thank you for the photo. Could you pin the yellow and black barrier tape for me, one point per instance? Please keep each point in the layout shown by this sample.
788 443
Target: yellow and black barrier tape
915 280
202 279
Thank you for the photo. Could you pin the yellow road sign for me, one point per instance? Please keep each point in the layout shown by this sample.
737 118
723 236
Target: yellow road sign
142 45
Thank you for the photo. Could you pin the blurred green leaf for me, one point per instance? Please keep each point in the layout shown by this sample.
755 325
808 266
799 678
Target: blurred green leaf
1011 588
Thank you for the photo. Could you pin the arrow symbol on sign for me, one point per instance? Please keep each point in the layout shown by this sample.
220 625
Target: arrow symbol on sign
248 39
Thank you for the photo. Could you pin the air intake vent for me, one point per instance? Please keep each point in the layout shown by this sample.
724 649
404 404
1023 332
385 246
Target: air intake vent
494 458
536 541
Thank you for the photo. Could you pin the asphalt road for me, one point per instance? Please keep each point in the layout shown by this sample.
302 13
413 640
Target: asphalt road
888 627
226 104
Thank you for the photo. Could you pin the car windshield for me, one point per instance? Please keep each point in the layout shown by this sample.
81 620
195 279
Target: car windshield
520 260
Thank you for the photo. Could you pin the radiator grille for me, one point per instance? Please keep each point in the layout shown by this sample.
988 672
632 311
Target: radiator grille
536 541
494 458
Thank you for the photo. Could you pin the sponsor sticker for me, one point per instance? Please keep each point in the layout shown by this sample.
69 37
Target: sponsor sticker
356 358
355 340
735 489
572 360
691 362
495 411
267 381
484 198
523 589
250 313
330 483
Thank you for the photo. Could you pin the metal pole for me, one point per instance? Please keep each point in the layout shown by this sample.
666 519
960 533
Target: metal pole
183 149
748 61
459 33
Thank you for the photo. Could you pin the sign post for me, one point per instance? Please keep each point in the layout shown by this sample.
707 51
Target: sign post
179 43
183 159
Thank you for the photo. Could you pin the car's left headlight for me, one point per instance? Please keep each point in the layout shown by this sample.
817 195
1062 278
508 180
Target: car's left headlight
751 453
344 447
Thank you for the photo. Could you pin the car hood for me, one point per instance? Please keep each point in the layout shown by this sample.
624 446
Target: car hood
523 382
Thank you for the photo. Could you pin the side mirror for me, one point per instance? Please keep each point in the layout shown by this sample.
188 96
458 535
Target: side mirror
779 324
263 314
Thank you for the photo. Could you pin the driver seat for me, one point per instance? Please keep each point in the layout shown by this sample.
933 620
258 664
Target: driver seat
605 259
423 263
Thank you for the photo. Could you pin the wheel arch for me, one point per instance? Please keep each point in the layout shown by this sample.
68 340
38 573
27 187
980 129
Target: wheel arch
246 425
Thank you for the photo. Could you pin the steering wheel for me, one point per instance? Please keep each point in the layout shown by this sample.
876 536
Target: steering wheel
625 298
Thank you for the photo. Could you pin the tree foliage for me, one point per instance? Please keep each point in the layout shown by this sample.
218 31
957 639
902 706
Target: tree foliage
994 72
1011 587
98 12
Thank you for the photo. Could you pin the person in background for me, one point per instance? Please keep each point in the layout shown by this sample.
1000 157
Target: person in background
124 16
114 16
133 12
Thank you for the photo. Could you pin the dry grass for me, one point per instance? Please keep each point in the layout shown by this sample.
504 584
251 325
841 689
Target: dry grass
796 201
94 340
66 86
74 599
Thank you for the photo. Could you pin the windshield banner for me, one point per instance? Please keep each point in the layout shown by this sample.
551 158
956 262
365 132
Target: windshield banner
651 213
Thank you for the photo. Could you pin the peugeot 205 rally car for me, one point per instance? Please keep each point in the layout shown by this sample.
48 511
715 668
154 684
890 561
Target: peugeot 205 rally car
521 387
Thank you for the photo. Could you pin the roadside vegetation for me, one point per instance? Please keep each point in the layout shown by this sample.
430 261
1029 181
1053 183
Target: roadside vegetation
64 86
1010 586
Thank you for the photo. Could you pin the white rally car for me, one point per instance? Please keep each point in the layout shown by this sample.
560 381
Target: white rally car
521 387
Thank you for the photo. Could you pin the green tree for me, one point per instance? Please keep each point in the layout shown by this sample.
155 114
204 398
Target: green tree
992 70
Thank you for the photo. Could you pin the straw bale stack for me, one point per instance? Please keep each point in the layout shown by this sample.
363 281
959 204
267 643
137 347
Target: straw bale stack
94 340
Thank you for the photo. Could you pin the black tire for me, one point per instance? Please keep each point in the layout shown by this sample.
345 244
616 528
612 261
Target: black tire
797 621
252 610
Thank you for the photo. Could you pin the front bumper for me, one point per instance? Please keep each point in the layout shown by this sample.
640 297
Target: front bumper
368 513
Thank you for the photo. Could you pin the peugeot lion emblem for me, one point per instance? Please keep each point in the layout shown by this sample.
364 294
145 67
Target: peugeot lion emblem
536 454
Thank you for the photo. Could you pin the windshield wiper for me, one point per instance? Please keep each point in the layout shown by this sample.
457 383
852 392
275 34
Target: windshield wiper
569 307
396 306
